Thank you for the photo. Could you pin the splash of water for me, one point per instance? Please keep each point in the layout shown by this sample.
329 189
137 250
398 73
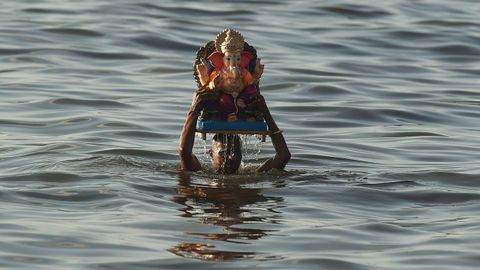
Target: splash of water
251 148
200 149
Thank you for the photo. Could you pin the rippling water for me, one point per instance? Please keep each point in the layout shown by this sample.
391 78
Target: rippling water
379 101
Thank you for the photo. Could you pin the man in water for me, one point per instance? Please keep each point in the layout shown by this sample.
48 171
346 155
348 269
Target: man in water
226 151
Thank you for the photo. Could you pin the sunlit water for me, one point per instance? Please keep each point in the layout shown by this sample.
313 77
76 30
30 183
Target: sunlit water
379 102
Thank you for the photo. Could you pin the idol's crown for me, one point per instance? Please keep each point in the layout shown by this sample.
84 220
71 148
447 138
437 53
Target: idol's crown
229 40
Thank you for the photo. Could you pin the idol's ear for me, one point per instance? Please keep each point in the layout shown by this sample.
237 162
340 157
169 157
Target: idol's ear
245 59
216 58
210 152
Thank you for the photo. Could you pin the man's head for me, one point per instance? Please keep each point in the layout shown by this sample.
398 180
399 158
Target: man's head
226 153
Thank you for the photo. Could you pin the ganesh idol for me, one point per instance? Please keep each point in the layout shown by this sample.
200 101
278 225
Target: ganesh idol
233 72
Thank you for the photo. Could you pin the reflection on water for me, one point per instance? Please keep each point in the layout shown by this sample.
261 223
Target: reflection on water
206 252
233 207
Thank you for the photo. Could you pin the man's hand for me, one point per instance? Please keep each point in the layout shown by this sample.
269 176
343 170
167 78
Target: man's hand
201 96
259 103
282 155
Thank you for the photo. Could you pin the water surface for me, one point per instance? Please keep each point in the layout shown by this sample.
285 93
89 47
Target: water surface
379 103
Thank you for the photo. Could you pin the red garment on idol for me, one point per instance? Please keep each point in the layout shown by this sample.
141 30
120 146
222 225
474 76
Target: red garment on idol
227 103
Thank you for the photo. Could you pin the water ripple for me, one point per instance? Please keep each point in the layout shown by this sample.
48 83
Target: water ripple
74 31
352 10
457 49
379 105
54 177
68 195
89 103
49 11
164 43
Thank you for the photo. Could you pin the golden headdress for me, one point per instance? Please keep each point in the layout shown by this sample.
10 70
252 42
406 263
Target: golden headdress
229 40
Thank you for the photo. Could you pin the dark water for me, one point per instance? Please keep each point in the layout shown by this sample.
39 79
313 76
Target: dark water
379 102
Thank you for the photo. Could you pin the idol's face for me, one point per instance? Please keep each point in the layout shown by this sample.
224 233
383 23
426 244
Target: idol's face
231 59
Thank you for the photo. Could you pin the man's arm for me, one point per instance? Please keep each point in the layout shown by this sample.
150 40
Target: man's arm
188 161
282 156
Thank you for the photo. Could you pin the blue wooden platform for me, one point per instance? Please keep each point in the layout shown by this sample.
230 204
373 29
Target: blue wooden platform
237 127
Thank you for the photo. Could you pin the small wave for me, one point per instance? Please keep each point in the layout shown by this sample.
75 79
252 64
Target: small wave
405 95
10 51
83 195
198 12
332 124
278 86
305 262
142 134
88 103
386 228
426 117
299 109
464 92
466 71
16 261
48 11
360 11
411 34
83 53
50 125
466 102
359 114
164 43
411 134
448 179
326 46
137 153
449 23
392 185
108 55
53 177
305 159
74 32
113 163
323 90
158 189
456 49
119 124
315 72
23 123
437 197
166 71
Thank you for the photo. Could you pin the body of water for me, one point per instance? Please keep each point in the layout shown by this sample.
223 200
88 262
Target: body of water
379 102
